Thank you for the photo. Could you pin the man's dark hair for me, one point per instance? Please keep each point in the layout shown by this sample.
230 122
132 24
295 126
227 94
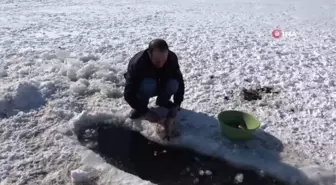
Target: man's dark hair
159 44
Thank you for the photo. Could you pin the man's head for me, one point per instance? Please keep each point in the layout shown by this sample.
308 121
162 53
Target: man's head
158 49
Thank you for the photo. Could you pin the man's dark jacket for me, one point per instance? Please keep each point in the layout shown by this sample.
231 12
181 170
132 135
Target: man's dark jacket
140 67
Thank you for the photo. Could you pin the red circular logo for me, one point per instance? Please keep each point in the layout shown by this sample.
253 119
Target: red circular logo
276 33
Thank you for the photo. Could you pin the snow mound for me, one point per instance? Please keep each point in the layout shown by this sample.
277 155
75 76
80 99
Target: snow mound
27 96
24 96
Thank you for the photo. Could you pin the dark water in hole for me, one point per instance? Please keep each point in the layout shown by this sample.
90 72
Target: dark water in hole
133 153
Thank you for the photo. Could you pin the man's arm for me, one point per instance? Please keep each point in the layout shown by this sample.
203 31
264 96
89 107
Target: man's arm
133 80
177 74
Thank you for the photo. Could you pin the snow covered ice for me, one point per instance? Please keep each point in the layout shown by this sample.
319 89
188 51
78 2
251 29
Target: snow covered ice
62 64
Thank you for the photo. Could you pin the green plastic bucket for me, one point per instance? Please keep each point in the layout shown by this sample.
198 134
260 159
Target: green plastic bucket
229 121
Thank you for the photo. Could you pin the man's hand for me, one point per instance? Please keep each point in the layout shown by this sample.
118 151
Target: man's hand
174 110
152 116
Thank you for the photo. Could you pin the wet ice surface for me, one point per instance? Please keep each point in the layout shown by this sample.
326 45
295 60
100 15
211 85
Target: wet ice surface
59 58
164 165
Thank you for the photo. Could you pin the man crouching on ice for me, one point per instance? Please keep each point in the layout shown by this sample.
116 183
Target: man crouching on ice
154 71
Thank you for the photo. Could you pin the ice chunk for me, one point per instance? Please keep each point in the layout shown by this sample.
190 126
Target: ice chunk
208 172
24 71
239 178
107 76
73 63
62 54
47 88
88 58
79 88
71 74
86 71
4 103
79 176
47 56
111 92
71 68
84 81
3 72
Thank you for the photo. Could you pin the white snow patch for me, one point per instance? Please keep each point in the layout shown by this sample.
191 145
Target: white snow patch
236 48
